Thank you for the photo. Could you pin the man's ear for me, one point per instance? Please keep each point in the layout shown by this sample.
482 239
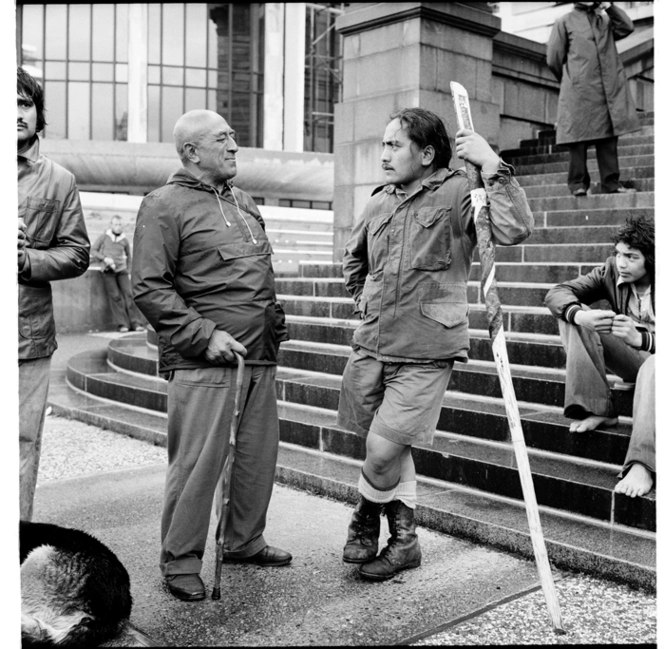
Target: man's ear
191 152
428 154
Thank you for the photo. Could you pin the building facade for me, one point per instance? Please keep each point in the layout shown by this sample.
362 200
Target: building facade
127 71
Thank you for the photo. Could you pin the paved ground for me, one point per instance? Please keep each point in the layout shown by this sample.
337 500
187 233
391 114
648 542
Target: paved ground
111 486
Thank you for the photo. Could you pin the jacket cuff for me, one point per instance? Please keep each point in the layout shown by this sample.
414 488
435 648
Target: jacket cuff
502 175
648 342
570 312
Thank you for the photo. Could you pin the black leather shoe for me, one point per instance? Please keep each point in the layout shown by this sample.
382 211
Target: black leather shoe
268 556
189 587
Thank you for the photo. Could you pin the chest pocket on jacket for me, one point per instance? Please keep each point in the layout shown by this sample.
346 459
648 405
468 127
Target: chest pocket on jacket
41 220
430 238
378 239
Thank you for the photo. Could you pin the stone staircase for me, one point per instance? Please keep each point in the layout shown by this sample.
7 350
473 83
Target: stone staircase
468 480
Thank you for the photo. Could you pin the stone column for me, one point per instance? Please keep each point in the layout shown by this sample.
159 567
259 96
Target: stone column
137 74
273 84
294 55
399 55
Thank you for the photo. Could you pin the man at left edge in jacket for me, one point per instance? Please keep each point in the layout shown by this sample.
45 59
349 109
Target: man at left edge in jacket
52 244
202 275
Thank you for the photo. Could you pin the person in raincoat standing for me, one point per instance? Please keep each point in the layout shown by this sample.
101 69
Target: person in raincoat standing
595 105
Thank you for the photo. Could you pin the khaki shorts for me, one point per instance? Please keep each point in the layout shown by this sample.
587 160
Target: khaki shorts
398 401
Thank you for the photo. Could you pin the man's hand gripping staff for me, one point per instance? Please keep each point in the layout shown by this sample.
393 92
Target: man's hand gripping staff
497 334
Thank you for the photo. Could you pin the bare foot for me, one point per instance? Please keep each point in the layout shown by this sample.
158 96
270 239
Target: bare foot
591 423
637 482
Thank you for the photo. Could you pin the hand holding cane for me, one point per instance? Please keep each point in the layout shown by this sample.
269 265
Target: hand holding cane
225 480
499 347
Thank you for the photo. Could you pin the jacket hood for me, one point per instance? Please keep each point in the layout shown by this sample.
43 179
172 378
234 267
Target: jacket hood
184 178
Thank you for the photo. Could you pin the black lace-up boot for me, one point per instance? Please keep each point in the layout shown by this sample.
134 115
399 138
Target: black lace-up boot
403 548
363 532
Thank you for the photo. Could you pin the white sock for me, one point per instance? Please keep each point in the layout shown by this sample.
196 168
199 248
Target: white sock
406 492
374 494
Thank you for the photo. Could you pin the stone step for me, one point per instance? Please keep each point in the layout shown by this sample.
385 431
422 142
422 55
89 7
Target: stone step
479 377
297 237
562 166
608 550
593 201
624 151
551 191
636 173
538 147
584 216
566 235
466 456
481 419
577 253
323 363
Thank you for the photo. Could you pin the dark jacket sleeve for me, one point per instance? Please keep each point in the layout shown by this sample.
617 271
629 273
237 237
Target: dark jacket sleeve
582 290
556 49
355 261
69 256
621 23
156 246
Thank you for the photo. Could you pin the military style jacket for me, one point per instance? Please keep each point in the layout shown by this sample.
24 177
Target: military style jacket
407 263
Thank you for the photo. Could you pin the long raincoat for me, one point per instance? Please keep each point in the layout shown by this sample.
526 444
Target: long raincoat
595 101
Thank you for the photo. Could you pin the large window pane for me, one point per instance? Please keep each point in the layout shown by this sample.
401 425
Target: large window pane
102 111
55 100
173 51
31 41
55 71
212 43
79 32
154 105
102 72
196 78
78 118
79 71
103 17
121 32
196 27
194 99
56 31
121 111
171 111
154 33
172 76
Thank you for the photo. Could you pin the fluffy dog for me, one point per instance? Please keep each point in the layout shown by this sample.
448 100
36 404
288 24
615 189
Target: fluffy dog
74 590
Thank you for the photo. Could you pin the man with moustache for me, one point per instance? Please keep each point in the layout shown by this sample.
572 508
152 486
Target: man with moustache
202 275
406 265
52 244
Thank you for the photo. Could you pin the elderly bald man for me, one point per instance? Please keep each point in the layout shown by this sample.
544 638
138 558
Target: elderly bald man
202 275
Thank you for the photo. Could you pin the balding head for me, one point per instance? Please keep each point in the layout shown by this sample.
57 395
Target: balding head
206 146
191 127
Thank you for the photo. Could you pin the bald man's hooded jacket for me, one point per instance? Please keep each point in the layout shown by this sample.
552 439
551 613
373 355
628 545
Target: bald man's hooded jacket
202 261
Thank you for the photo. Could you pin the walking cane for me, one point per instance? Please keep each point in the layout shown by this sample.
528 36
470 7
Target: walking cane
497 335
225 480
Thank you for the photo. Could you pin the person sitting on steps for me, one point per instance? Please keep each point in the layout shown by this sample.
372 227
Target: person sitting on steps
621 339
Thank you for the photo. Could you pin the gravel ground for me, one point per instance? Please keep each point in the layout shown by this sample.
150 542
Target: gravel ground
594 611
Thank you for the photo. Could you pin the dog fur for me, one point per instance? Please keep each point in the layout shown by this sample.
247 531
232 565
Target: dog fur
74 590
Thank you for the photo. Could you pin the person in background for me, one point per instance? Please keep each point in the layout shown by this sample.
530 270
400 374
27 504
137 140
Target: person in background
202 275
52 244
595 105
621 339
113 250
406 265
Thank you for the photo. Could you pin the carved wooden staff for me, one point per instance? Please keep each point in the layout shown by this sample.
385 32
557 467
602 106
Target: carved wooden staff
497 334
225 480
